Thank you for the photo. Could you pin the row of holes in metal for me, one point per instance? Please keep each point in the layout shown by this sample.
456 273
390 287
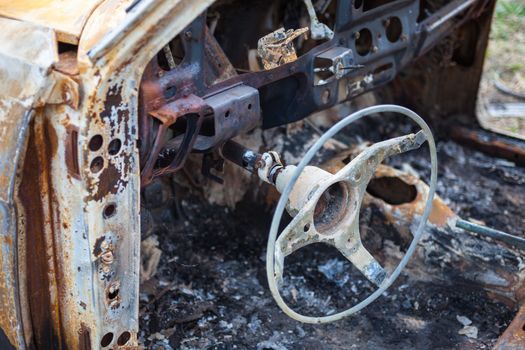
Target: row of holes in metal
95 144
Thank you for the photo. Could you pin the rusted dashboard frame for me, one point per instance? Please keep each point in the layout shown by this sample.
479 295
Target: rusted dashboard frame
292 91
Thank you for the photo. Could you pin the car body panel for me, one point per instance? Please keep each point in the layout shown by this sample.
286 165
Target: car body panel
66 17
69 272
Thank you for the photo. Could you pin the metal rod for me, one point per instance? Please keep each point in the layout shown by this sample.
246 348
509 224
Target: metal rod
492 233
451 14
240 155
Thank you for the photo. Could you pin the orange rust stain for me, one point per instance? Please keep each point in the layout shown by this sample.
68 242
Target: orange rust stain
409 210
514 335
441 213
8 240
30 194
45 272
4 181
50 137
67 63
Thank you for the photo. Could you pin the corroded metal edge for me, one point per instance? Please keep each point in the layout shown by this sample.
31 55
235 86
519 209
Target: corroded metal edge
24 85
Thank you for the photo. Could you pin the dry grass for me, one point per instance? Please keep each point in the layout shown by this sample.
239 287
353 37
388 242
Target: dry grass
505 61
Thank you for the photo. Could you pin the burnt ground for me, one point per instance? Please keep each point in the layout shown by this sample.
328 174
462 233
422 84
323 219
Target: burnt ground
210 290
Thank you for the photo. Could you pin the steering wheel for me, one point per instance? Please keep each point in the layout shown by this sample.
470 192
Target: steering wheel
330 212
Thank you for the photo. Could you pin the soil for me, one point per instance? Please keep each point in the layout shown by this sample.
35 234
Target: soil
210 290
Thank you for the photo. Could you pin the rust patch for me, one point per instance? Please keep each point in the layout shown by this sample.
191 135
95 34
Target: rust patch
491 144
31 195
4 181
67 63
71 151
84 337
514 335
440 213
113 99
51 139
109 182
8 240
97 248
277 48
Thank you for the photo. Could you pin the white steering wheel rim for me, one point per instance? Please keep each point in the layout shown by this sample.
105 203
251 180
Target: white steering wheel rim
279 210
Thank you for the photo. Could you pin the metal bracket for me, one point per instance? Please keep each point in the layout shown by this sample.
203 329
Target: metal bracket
318 30
333 64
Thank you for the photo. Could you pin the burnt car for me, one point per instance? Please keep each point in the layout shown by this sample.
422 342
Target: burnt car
102 99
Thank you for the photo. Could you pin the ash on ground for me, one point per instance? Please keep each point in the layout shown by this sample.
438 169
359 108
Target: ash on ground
210 289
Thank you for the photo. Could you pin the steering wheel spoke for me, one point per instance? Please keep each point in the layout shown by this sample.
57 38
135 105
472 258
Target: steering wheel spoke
361 258
361 169
300 232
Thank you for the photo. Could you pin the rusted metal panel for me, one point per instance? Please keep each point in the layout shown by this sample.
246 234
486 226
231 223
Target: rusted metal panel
490 143
277 48
36 227
67 18
514 336
13 128
24 84
90 193
23 68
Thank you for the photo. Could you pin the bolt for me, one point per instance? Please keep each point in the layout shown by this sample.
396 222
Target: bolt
188 34
375 48
357 35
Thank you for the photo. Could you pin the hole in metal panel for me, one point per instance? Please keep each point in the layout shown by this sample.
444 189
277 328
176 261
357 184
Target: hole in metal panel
72 152
96 164
109 211
393 29
114 146
113 293
123 338
106 339
392 190
363 42
95 143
